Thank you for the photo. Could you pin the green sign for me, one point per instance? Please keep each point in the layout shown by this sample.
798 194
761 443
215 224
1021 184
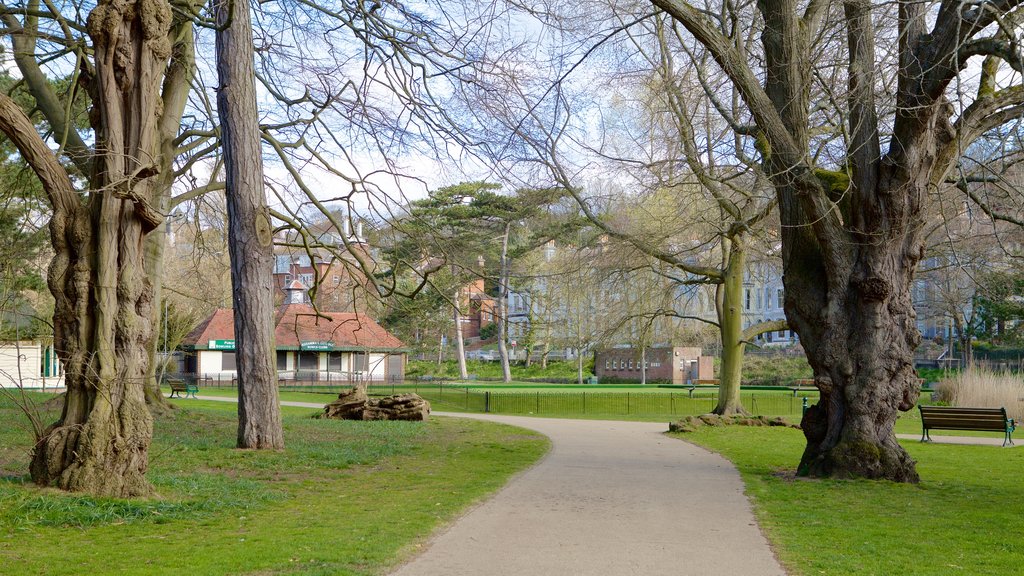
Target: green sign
316 345
221 345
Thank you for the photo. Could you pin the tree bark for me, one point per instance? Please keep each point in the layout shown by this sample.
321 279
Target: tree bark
729 305
460 345
155 246
176 87
643 365
249 230
503 274
98 277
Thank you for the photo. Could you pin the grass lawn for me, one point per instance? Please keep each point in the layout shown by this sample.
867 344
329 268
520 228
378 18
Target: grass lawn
963 518
343 498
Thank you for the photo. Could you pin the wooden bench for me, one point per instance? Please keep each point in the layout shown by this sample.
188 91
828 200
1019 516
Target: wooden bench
177 387
955 418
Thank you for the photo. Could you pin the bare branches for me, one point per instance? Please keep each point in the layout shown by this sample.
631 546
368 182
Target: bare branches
59 189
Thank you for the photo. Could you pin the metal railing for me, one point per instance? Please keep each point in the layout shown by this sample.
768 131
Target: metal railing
593 403
286 379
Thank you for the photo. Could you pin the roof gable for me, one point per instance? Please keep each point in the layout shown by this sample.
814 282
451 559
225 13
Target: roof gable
298 323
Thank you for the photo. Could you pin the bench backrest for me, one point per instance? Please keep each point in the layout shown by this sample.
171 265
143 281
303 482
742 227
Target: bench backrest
179 386
956 418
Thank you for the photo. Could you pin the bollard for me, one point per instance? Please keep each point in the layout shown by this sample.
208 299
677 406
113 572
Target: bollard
804 407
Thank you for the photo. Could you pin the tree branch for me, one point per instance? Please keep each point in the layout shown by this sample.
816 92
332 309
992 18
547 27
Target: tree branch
19 129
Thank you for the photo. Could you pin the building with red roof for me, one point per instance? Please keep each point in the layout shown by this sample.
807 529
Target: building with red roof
324 346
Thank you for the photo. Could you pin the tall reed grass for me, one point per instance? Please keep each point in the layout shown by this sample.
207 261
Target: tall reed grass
982 388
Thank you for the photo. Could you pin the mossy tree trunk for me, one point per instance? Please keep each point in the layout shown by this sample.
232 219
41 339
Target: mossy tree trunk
729 307
103 297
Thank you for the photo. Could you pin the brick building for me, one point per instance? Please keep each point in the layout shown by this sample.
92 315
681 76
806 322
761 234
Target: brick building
677 365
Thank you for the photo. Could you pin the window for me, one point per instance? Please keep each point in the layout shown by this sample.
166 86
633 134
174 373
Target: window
630 364
607 364
782 333
227 361
758 299
334 361
747 299
615 364
306 279
781 297
282 360
309 360
337 279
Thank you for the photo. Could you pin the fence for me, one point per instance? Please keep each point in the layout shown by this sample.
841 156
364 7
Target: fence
593 403
286 379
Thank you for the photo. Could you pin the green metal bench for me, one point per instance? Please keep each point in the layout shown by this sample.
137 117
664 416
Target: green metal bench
178 387
956 418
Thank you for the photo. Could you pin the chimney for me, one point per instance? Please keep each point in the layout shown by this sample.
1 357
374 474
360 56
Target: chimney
359 231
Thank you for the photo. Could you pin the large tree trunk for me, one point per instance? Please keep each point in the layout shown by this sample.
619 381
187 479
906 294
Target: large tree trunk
850 251
249 231
98 278
729 305
860 344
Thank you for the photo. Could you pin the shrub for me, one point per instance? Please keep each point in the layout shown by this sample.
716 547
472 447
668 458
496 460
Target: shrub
984 389
489 331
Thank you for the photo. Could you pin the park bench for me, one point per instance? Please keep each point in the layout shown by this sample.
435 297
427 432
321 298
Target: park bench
803 384
692 385
177 387
956 418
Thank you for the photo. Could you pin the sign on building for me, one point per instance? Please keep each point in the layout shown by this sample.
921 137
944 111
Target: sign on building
316 345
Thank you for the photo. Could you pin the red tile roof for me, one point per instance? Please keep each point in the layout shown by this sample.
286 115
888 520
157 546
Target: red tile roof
297 323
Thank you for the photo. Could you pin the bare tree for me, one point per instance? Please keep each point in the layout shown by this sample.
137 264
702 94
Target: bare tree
850 138
850 253
102 321
250 236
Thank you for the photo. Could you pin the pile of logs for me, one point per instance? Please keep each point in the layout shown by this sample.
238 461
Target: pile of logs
356 405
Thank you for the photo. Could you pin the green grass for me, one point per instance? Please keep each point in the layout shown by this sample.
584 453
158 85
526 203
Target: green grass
343 498
963 518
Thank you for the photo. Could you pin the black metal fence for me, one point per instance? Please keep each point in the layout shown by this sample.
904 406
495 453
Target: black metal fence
286 379
550 402
594 403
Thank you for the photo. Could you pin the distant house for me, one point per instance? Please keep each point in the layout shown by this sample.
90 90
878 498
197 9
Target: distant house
29 364
331 346
331 266
478 308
